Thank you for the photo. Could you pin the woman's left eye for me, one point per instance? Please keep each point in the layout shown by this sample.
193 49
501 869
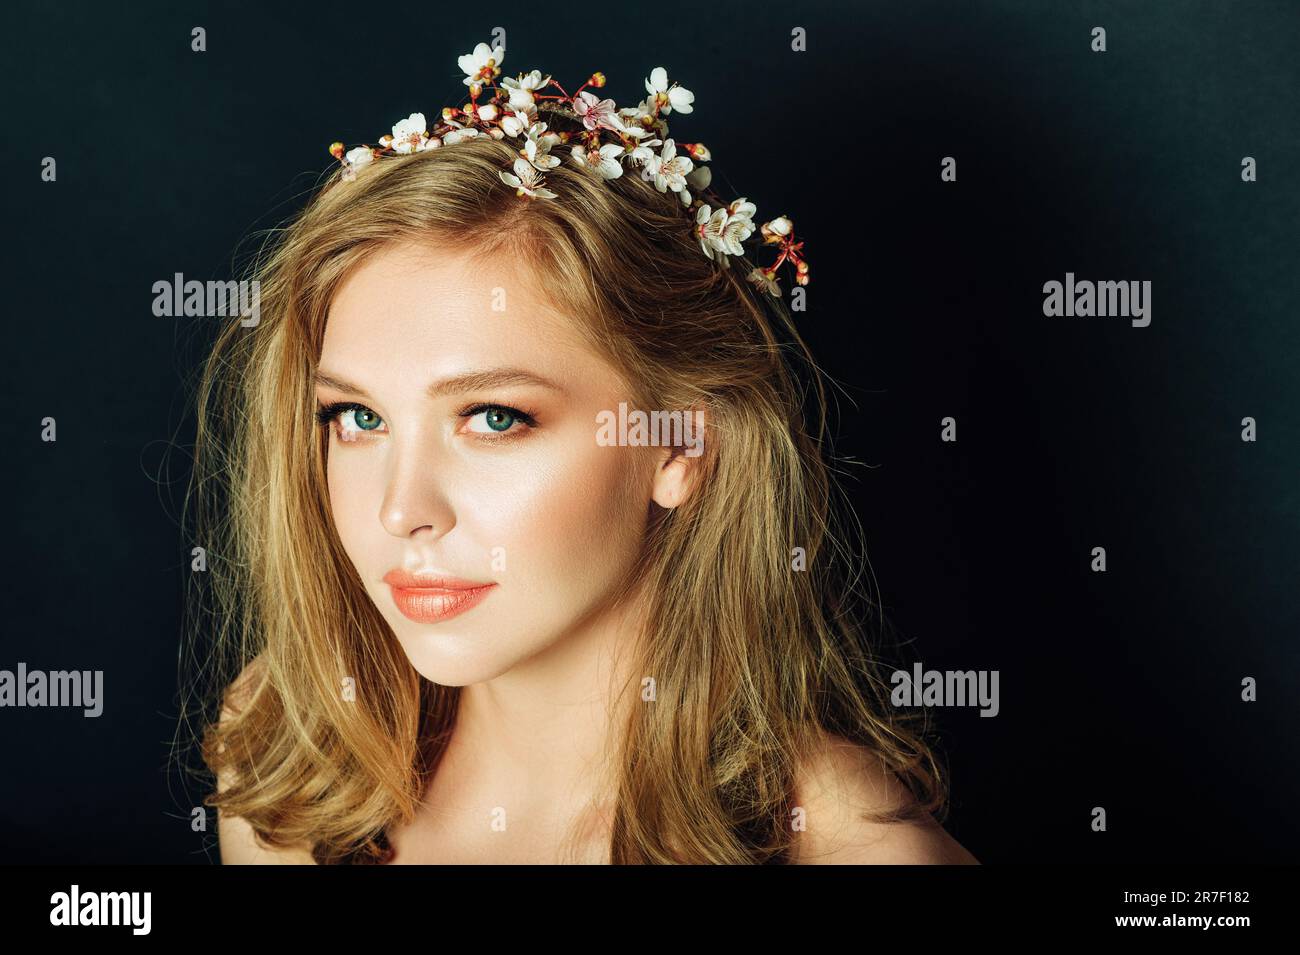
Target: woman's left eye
496 419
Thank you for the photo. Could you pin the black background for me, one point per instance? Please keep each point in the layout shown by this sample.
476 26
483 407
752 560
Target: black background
1119 690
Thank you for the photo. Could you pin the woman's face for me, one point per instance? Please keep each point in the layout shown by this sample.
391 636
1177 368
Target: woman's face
468 459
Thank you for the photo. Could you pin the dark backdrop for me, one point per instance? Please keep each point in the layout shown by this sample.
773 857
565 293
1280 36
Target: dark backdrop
1119 690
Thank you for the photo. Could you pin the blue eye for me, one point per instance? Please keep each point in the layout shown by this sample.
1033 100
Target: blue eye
363 418
352 418
497 420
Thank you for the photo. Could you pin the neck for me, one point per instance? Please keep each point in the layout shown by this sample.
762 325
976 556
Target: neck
540 736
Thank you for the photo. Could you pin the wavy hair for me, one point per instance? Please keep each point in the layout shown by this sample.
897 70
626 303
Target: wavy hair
754 662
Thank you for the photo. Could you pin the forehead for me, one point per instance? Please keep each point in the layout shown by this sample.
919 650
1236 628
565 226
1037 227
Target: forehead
434 310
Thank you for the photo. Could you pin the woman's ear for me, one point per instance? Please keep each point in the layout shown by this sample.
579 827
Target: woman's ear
680 466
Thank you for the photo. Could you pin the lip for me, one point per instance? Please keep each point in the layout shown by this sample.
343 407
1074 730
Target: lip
431 598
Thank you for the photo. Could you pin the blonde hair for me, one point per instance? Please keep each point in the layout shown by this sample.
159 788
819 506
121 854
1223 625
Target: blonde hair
753 661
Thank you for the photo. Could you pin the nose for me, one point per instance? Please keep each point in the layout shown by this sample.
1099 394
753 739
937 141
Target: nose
414 504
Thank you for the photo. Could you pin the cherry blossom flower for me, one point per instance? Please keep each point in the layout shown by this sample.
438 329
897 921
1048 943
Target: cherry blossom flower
519 122
776 230
708 229
675 98
360 156
458 133
526 180
409 134
668 170
639 153
642 119
537 147
483 65
596 113
743 209
605 161
521 88
721 231
354 160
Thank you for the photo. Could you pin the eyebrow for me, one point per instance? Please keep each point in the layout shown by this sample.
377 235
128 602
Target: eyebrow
457 384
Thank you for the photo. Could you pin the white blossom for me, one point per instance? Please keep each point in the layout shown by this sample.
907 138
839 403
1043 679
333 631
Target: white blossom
776 230
537 147
604 161
668 170
360 156
675 98
410 134
355 159
721 231
526 180
475 65
458 133
521 88
639 153
518 122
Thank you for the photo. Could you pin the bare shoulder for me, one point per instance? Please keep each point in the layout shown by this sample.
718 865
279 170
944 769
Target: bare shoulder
842 781
239 845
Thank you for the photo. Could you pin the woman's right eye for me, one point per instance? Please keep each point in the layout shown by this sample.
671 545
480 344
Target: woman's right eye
351 419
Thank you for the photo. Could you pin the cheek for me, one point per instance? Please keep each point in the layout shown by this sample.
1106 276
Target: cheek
352 496
573 509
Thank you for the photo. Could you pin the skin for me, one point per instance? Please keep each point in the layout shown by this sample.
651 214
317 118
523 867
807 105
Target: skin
431 488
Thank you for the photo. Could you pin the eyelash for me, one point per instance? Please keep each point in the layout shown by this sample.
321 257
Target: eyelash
328 415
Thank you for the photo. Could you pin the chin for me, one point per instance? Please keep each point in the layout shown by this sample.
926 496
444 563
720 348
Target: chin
452 656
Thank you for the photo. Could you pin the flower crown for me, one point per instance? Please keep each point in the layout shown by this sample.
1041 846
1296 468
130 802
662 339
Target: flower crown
609 138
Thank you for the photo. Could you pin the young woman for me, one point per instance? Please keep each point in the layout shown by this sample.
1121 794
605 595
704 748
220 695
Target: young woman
477 611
